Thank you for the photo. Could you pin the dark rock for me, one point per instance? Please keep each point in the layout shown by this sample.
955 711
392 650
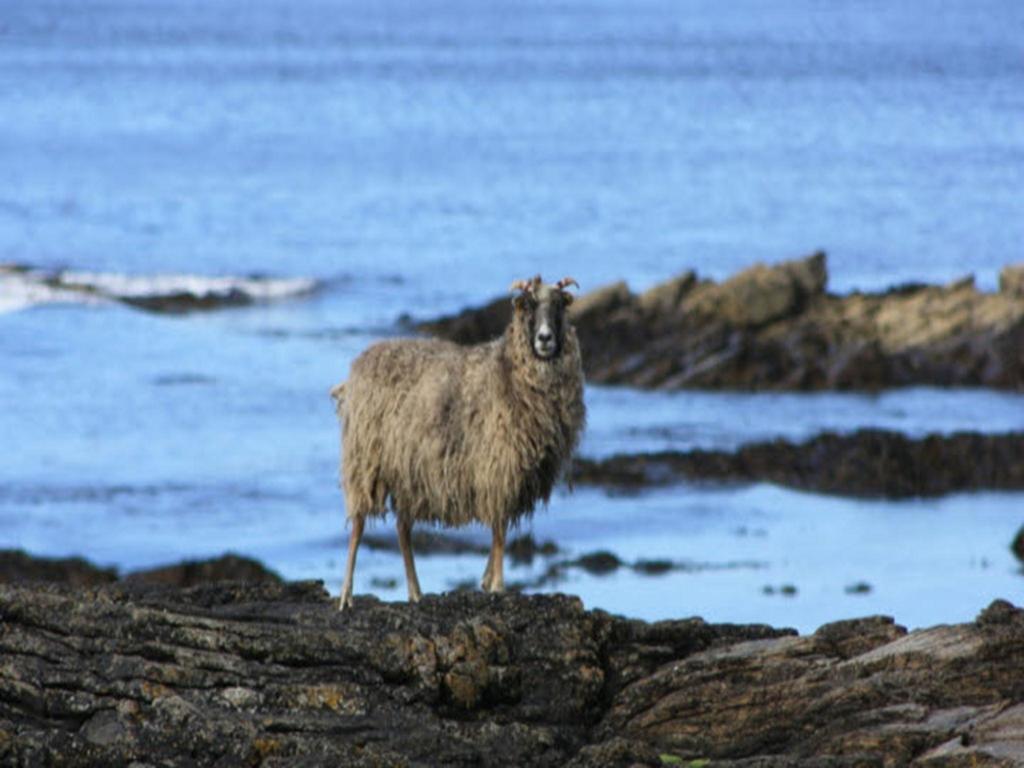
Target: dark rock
523 549
602 563
1018 544
426 543
598 563
273 674
182 302
18 566
775 327
869 462
194 572
653 567
854 637
816 700
473 325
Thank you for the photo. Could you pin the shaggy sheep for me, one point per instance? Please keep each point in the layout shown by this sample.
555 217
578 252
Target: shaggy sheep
452 434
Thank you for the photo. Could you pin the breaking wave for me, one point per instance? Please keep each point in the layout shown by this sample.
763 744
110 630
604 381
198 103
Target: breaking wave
23 286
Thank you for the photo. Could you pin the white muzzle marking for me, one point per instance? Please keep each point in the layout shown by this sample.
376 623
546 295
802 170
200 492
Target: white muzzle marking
544 340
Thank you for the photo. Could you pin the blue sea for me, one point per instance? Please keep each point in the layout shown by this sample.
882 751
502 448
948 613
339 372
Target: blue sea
344 165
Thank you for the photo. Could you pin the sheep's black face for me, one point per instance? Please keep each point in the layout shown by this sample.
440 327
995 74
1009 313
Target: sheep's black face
546 329
541 308
546 320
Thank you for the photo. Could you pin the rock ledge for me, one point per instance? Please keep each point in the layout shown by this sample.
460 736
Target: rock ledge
272 674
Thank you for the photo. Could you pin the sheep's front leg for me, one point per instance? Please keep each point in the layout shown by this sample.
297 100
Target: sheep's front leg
494 575
353 547
405 544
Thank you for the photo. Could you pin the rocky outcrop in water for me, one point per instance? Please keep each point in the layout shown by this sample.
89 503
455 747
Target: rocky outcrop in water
272 674
776 327
19 566
870 463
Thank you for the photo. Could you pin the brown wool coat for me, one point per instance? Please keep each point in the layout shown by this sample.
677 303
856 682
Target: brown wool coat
455 434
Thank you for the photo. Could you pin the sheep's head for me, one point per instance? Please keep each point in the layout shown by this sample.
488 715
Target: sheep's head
542 307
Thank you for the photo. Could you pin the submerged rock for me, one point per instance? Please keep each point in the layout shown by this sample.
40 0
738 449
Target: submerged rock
776 327
273 674
869 462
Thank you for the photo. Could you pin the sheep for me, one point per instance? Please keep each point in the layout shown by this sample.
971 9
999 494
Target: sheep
451 435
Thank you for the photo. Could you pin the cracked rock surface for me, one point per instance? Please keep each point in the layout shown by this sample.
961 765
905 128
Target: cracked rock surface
272 674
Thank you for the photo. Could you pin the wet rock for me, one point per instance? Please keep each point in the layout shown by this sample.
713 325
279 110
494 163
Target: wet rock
273 674
776 327
870 463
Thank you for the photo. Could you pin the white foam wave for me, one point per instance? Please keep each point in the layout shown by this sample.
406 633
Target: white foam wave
22 287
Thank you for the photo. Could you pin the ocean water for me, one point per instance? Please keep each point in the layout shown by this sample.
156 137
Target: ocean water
344 164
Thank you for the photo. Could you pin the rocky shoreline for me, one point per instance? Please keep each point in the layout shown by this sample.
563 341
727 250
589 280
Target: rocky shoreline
866 463
244 673
777 328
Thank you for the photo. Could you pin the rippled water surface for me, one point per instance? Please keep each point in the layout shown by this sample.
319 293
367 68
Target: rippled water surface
344 164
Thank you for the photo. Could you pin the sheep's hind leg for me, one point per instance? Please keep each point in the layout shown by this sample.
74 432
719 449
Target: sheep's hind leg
345 601
485 582
494 575
405 544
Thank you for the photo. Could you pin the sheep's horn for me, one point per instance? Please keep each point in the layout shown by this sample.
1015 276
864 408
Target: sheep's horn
526 286
565 282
